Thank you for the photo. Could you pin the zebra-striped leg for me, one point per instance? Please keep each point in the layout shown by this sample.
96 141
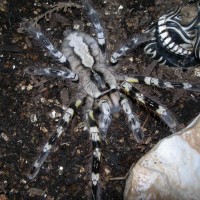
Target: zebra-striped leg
133 121
162 84
164 114
94 132
46 44
137 40
94 18
67 74
66 118
104 118
197 43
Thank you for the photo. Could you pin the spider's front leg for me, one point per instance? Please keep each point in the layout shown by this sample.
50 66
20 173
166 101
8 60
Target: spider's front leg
164 114
136 40
94 18
45 43
62 126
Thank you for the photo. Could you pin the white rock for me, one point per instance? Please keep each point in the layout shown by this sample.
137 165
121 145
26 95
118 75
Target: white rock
171 170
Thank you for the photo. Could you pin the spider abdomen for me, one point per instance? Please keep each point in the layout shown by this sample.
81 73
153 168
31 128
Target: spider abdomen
81 50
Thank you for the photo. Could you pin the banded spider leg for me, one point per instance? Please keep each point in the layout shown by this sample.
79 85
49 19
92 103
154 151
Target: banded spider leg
129 89
62 126
45 43
164 114
136 41
96 145
94 19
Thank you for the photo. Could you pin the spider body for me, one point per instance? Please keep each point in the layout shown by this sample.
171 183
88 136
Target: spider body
99 91
174 40
88 62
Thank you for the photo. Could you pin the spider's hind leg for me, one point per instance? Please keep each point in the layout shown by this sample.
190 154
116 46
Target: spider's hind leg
65 120
96 161
163 84
133 121
162 112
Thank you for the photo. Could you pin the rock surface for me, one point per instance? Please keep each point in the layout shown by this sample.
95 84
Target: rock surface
170 170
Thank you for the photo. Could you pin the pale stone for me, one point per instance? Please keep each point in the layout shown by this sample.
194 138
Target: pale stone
171 170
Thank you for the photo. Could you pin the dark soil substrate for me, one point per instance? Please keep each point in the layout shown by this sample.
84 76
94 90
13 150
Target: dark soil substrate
26 103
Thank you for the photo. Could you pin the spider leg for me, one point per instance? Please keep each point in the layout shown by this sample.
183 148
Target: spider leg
163 84
104 118
65 120
94 132
45 43
94 18
67 74
136 40
133 120
164 114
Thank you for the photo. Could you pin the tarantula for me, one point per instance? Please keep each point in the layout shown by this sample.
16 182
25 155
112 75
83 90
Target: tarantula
175 38
102 92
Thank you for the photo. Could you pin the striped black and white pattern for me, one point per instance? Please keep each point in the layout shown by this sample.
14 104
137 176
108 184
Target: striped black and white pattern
96 144
46 44
94 18
171 43
174 44
163 113
162 84
62 126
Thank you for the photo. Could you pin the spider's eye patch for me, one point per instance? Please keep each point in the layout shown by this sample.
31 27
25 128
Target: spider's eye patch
98 79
